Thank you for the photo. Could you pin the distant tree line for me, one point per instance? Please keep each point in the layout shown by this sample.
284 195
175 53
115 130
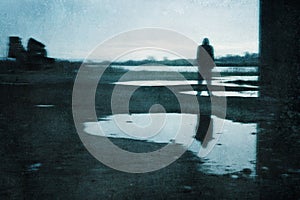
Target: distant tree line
246 59
177 62
249 59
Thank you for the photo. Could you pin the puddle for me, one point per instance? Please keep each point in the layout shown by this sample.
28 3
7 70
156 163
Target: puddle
157 83
44 105
236 150
226 81
237 78
217 81
225 93
234 145
164 130
34 167
242 69
14 83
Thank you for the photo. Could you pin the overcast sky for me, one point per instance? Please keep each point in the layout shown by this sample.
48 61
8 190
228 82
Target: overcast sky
71 29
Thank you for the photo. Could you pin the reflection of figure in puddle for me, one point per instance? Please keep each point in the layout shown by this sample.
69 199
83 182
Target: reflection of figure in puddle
204 133
205 61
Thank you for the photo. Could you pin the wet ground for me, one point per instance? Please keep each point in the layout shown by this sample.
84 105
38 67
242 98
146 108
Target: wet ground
223 159
255 156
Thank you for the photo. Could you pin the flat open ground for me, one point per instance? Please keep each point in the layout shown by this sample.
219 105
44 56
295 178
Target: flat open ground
43 157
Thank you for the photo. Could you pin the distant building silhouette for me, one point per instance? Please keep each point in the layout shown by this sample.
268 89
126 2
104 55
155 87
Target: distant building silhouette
36 48
35 56
16 50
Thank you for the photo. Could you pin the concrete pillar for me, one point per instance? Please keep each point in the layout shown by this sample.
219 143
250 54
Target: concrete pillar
279 48
277 141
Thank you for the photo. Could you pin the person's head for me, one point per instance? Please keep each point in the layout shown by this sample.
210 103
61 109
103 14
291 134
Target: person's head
205 41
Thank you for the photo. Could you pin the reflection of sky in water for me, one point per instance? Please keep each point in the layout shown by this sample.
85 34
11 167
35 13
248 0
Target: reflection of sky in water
217 81
34 167
185 68
225 93
235 149
157 83
44 105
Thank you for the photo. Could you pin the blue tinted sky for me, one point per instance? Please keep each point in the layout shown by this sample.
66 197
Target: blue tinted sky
71 29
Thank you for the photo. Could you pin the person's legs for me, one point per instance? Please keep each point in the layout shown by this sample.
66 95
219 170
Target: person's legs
207 75
209 82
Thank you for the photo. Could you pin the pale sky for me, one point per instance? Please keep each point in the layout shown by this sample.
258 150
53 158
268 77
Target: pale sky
71 29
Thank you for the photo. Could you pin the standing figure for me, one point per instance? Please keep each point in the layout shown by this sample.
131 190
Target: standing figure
205 58
205 62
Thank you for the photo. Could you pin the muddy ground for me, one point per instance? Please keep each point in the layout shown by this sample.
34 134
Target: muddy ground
43 157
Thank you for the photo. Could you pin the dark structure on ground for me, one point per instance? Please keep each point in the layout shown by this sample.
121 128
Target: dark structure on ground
279 48
16 50
278 141
34 58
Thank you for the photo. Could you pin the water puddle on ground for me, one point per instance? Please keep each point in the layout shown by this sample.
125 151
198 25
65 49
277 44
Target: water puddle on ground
160 68
234 147
225 93
225 81
157 83
14 83
236 81
33 167
154 83
44 105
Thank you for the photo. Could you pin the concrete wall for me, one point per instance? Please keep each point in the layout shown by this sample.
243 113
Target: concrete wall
277 140
279 48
